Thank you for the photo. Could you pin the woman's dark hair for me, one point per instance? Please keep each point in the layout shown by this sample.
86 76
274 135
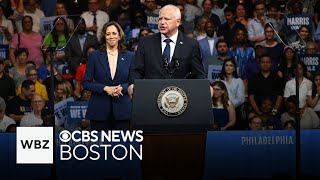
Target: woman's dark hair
307 27
292 99
205 1
144 29
24 17
228 9
283 62
236 43
55 35
121 46
85 60
269 24
292 122
134 18
314 87
224 97
223 70
19 51
245 10
304 68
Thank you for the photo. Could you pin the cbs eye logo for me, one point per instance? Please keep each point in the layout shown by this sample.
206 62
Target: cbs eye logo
65 136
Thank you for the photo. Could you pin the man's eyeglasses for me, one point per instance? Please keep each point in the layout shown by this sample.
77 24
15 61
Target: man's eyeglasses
32 74
37 102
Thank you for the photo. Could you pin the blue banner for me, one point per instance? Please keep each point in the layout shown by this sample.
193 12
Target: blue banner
311 61
76 113
4 51
293 22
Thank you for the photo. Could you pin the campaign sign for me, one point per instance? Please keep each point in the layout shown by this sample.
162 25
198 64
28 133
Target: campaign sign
76 112
4 51
294 22
60 110
311 61
47 23
214 72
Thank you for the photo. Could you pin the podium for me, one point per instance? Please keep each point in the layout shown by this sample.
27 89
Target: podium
174 115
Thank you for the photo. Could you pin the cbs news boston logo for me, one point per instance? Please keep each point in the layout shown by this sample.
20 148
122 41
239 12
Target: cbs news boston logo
34 145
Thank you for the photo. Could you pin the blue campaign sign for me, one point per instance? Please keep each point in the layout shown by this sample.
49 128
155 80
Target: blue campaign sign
293 22
76 112
214 72
311 61
4 51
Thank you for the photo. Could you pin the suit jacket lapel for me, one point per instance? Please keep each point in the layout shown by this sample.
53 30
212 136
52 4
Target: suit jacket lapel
178 48
158 50
85 45
208 46
103 58
77 42
120 63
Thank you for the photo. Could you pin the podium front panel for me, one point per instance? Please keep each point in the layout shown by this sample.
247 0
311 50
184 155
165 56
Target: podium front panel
146 114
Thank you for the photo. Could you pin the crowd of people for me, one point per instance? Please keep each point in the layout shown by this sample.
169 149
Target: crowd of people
245 48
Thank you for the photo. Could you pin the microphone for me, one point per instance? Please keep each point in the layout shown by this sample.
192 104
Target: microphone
165 62
176 63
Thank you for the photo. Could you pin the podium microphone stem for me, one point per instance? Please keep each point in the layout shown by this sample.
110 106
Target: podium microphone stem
51 51
297 118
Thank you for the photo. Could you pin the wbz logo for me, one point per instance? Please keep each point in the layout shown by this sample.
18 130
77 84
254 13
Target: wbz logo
34 145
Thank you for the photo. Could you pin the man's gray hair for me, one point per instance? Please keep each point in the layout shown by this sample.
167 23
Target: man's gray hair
177 12
29 69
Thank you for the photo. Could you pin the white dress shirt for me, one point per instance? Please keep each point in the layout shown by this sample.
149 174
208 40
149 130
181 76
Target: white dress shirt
113 59
172 43
102 18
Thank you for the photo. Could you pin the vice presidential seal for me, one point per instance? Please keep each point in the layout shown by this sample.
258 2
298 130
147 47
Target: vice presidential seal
172 101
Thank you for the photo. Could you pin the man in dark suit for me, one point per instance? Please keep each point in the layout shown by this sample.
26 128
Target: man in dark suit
168 54
75 49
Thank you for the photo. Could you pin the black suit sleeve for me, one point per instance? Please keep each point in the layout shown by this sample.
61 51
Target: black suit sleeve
137 66
72 59
197 71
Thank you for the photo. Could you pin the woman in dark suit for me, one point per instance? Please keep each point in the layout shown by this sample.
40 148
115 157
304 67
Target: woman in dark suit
107 78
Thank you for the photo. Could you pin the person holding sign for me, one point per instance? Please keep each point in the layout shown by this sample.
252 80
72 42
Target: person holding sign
106 77
58 38
304 37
